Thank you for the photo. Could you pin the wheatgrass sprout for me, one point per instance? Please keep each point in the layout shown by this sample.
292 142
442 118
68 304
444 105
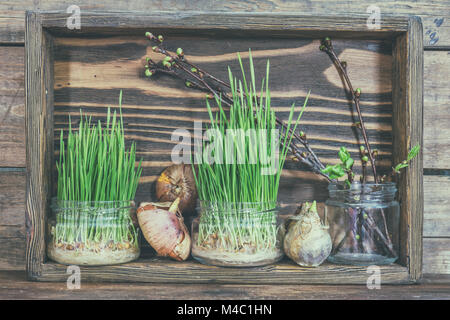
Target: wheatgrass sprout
96 184
237 199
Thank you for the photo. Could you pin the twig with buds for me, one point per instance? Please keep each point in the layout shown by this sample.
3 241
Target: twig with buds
327 47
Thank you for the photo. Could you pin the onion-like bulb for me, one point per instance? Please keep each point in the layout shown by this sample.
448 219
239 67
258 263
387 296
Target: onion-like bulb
307 240
177 181
163 227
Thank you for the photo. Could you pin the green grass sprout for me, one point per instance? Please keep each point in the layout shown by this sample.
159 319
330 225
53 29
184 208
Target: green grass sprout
96 183
238 200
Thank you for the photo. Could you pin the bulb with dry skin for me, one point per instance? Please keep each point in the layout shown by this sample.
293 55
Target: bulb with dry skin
177 181
307 240
163 227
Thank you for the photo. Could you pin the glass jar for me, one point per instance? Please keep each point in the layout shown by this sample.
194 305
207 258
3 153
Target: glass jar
364 223
237 234
93 233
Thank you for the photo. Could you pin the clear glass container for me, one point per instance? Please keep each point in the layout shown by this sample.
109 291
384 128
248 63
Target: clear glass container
364 223
93 233
237 234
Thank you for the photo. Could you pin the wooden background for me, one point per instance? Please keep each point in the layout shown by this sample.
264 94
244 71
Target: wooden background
436 115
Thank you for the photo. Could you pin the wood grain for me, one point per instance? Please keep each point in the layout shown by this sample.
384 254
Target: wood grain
12 107
407 96
39 133
12 220
13 285
437 206
436 252
434 14
165 270
12 193
436 115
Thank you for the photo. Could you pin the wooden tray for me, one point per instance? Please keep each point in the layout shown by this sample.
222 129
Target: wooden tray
68 69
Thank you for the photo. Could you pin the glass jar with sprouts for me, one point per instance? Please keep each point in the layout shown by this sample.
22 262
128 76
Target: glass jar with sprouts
93 220
238 221
237 234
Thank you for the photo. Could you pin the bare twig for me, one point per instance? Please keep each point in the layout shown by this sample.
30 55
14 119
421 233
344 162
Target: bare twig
327 47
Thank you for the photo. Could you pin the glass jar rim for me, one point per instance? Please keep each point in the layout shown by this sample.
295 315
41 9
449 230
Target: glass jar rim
355 186
263 206
359 193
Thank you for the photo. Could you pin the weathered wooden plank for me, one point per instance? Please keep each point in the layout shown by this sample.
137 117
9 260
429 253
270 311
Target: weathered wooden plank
12 200
12 256
164 270
436 255
13 285
437 109
39 127
436 206
435 278
12 220
12 107
407 97
434 15
267 23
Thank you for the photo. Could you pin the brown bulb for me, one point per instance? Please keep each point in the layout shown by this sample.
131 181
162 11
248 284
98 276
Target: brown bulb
177 181
163 227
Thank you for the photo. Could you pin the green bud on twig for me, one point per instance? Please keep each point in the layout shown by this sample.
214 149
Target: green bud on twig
327 42
358 92
188 84
160 38
155 48
180 52
194 70
362 148
365 159
148 73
